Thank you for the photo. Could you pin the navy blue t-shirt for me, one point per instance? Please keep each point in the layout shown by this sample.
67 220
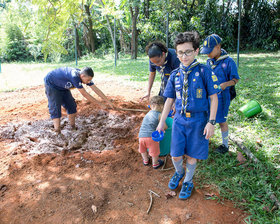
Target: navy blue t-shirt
172 63
65 78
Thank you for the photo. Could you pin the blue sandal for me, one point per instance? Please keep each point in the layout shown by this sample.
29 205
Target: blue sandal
174 182
186 191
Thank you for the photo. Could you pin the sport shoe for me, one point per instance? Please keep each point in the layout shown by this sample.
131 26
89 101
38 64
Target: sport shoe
160 163
186 191
174 182
222 149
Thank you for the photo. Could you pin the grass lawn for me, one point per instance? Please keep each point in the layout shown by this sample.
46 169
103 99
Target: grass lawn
244 184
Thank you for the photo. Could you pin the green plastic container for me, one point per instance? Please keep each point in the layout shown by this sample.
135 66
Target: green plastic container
251 108
164 144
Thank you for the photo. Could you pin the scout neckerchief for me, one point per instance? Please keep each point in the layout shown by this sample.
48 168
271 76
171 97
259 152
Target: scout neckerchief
223 56
161 71
186 71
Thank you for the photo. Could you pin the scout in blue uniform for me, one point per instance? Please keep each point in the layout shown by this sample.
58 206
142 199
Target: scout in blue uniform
189 86
57 87
162 59
225 69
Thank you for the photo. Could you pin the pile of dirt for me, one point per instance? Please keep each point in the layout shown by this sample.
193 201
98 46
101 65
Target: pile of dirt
100 178
96 132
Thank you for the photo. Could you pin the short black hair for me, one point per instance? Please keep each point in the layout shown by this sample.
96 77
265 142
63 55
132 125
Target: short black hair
155 49
87 71
188 36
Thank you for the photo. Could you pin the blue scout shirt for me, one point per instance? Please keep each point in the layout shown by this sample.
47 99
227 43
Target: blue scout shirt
172 62
65 78
202 83
225 70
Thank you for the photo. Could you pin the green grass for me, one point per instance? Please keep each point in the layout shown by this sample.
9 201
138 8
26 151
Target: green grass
243 184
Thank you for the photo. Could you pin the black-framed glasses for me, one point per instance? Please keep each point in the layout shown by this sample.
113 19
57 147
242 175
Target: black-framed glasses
187 53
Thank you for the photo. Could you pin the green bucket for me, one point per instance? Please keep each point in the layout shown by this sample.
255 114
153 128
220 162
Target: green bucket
165 143
250 109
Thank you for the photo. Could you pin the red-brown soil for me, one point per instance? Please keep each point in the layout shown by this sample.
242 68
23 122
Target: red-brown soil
75 186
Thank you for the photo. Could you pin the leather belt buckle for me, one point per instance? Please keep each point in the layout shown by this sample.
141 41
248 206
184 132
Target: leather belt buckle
188 114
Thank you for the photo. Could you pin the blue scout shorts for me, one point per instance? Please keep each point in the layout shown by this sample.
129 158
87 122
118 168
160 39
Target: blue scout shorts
223 108
58 98
187 136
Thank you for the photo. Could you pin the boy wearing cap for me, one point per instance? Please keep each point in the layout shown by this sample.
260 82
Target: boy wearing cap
189 86
57 87
225 70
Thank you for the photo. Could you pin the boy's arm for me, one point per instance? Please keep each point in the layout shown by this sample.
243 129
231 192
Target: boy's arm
210 128
165 125
229 83
167 107
89 97
152 76
101 95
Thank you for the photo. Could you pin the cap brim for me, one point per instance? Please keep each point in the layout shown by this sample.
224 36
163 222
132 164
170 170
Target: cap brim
206 50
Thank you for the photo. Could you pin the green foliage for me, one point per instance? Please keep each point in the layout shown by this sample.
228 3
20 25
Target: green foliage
15 49
49 24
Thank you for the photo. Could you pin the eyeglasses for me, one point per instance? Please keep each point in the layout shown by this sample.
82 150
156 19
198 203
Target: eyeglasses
187 53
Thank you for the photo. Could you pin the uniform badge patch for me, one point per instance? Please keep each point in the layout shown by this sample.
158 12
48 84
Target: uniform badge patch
205 43
224 65
198 93
215 86
214 78
196 74
194 80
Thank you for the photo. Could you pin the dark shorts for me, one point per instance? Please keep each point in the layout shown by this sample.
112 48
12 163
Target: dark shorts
223 108
58 98
187 136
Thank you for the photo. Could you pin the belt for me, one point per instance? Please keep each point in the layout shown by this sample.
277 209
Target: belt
190 114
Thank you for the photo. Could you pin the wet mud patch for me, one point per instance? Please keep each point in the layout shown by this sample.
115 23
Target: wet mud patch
96 132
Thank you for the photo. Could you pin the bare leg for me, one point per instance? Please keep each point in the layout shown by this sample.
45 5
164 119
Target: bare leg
71 118
145 157
224 126
56 123
155 160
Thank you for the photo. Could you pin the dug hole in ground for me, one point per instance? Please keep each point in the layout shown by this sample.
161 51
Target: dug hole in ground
94 174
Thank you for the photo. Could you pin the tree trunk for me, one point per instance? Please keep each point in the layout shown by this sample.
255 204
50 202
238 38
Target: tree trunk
124 45
109 28
147 8
134 36
90 30
79 53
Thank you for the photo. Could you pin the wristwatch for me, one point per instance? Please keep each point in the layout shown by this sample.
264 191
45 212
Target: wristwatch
213 122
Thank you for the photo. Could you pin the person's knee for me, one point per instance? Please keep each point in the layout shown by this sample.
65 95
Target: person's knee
176 159
191 160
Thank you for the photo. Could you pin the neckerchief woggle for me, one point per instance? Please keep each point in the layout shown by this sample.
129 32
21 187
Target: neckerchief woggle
223 56
162 74
186 71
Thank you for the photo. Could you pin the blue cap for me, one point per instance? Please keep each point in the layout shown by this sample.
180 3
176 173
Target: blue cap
209 43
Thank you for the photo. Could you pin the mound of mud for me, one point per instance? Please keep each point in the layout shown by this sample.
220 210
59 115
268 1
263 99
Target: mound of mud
95 133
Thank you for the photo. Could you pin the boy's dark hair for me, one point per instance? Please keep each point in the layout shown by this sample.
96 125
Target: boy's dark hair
155 49
189 36
87 71
157 100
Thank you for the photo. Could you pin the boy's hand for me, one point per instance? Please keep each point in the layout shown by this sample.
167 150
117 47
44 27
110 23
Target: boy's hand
209 130
146 97
160 127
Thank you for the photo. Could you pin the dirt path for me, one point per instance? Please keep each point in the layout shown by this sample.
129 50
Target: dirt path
98 186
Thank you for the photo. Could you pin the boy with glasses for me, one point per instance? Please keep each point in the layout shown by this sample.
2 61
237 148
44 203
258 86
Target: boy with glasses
225 69
189 86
